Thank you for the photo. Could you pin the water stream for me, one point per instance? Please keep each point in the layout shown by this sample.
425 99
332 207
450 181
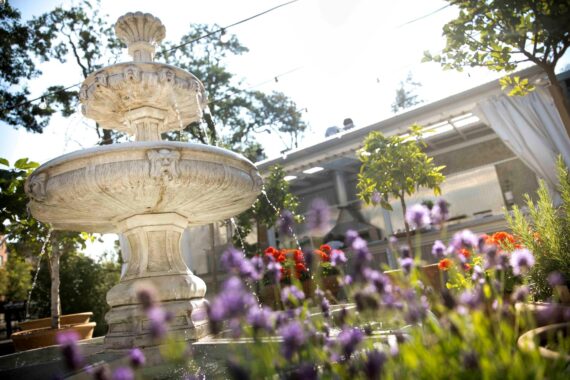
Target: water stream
42 253
279 214
240 238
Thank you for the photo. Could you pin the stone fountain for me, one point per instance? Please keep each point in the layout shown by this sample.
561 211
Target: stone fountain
149 190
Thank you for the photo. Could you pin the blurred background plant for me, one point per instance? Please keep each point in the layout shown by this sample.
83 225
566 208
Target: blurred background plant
546 232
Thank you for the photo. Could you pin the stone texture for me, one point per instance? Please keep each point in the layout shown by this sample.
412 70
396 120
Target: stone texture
148 190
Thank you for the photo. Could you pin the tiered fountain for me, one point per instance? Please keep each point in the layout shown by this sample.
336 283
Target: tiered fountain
150 190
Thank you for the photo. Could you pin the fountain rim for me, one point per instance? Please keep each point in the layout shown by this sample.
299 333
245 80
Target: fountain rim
101 150
92 76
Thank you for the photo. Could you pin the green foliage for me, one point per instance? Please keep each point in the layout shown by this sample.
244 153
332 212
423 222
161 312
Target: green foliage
15 279
500 34
546 232
395 166
405 97
264 213
83 287
516 85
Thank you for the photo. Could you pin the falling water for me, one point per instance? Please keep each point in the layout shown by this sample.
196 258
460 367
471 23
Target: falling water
278 213
234 224
180 125
42 252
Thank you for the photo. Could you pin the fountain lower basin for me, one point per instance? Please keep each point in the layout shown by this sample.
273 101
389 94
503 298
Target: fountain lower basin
150 192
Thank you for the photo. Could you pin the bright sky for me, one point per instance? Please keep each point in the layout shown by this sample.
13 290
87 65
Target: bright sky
344 58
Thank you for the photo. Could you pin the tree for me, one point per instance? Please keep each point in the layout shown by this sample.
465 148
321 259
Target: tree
501 34
405 97
82 36
84 285
396 166
15 279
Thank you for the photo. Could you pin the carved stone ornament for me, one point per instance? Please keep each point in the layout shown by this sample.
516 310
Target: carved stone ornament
36 187
132 74
164 164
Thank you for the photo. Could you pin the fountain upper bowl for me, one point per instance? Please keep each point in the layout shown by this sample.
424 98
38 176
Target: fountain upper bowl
95 189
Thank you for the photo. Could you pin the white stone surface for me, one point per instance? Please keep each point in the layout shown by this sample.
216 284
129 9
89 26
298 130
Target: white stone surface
149 190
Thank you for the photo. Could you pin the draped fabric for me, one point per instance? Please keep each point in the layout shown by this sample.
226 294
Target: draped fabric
531 127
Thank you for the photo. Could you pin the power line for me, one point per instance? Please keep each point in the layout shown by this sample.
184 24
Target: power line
223 29
422 17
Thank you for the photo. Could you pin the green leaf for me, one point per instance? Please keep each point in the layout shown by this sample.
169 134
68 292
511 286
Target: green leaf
4 162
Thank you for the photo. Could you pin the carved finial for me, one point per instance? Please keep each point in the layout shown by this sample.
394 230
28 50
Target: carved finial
141 32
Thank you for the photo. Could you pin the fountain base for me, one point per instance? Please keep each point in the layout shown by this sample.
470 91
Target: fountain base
155 265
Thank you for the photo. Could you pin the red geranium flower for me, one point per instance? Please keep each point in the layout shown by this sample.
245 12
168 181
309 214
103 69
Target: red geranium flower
466 267
465 253
445 264
326 248
322 255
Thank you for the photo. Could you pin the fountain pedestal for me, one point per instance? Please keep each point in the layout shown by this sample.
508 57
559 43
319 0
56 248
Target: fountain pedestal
156 264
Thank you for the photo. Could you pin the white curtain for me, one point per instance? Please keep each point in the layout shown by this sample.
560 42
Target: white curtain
531 127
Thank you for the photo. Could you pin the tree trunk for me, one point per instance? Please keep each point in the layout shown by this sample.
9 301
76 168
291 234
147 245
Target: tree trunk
559 100
54 272
262 242
408 236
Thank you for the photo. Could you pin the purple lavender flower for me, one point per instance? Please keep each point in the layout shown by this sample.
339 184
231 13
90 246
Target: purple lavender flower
293 338
137 357
123 373
257 264
379 280
555 279
392 240
347 280
286 223
292 296
470 298
407 264
464 239
440 211
235 261
521 259
376 198
158 319
273 271
67 340
418 216
147 297
318 216
361 251
260 319
405 251
349 339
233 301
305 371
374 364
438 249
351 235
520 294
337 257
366 299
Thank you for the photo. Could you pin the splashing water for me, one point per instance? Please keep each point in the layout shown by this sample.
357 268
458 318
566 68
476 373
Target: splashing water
280 217
42 253
240 238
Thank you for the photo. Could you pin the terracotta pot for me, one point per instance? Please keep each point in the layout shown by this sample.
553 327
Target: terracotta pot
68 319
46 336
539 337
329 284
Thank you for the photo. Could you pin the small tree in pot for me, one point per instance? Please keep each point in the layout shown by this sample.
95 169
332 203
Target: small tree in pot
396 167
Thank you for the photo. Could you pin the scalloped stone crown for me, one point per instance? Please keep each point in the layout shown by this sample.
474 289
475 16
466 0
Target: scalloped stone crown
141 32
